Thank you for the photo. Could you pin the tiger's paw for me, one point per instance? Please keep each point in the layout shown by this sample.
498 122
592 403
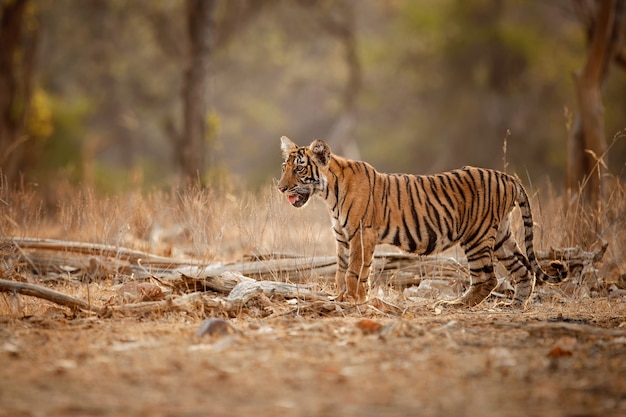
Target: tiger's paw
355 299
339 297
356 292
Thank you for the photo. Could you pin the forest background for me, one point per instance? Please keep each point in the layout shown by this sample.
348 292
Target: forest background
414 86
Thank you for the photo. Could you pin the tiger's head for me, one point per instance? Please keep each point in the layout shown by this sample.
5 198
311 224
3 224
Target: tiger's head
303 170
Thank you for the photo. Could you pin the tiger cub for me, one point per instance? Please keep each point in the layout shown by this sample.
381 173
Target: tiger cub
421 214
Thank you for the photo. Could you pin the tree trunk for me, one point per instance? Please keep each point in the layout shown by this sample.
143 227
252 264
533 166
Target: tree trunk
18 42
193 145
340 22
587 143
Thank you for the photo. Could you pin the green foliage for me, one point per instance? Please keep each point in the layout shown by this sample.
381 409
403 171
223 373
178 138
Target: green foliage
63 149
40 123
481 68
212 122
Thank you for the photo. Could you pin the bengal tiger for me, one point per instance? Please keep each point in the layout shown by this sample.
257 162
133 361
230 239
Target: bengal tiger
422 214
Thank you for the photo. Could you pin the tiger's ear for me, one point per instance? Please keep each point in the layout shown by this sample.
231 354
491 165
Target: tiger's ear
286 145
321 151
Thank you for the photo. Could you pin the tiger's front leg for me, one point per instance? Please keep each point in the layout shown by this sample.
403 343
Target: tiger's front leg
343 254
361 253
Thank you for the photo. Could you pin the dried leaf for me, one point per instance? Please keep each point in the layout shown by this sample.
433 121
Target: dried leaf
563 347
385 306
134 291
150 292
368 326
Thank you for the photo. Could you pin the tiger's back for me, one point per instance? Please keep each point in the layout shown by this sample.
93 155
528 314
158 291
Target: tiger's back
421 214
427 214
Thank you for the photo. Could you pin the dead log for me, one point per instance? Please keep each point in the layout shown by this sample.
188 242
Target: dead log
94 249
403 270
53 258
295 269
576 259
48 294
186 302
245 290
560 329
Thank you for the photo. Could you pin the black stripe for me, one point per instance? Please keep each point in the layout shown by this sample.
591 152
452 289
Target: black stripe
396 238
409 236
432 239
347 214
419 186
397 180
499 244
385 232
409 185
487 269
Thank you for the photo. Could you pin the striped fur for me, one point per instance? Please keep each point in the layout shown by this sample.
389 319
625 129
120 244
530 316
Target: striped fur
421 214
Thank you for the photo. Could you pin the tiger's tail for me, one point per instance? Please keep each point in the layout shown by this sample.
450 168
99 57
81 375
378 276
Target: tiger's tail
559 267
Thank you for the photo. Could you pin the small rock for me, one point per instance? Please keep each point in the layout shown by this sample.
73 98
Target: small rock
501 357
216 327
431 289
11 348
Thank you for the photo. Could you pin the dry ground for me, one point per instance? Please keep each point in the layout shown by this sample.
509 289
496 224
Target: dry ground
558 359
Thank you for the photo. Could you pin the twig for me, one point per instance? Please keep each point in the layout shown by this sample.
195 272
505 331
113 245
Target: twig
96 249
389 268
244 291
48 294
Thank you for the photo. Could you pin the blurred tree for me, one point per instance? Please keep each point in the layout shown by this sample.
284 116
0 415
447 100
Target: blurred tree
424 85
233 16
477 69
192 147
19 37
605 25
108 106
338 18
209 28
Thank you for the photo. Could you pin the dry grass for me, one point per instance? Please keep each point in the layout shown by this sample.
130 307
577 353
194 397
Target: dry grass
418 361
223 225
226 225
575 222
203 224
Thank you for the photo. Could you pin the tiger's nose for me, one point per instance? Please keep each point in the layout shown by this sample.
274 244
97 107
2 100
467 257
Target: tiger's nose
282 188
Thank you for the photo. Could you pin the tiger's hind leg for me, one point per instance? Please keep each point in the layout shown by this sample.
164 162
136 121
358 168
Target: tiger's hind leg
517 265
482 276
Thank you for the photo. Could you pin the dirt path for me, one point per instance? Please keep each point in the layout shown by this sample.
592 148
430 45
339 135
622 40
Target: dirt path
562 360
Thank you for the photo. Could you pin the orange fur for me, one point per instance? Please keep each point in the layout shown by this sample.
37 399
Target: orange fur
421 214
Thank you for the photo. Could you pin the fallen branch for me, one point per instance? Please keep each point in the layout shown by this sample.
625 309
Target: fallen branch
559 329
295 268
48 259
576 259
245 290
249 288
94 249
48 294
184 302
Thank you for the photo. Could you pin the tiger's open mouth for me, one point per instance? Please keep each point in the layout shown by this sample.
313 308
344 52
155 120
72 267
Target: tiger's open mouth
298 199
